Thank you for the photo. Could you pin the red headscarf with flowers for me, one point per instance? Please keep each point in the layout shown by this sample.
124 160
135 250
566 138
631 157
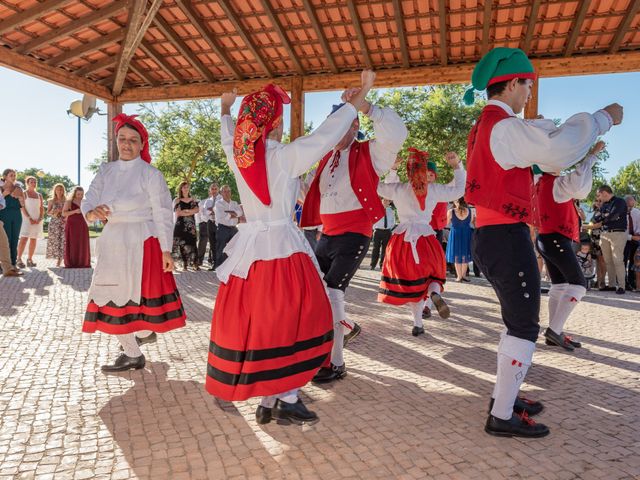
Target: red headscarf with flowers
131 121
417 166
260 112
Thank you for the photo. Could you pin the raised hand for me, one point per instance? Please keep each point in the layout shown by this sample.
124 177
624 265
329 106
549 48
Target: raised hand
616 112
349 93
368 77
397 163
229 98
452 159
597 148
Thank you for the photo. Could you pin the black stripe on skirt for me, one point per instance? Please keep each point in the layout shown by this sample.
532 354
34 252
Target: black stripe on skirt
133 317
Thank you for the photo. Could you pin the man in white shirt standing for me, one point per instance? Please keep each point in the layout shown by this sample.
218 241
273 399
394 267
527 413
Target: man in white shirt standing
382 233
227 214
633 240
207 226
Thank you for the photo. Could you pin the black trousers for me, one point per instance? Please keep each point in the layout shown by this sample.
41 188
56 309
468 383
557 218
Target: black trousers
311 236
381 238
340 256
203 239
506 257
224 234
560 259
629 252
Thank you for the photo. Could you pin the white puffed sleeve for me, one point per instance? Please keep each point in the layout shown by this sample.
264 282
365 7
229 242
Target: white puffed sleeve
161 207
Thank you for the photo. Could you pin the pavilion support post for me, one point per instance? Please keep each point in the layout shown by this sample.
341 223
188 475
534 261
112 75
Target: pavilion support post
113 109
531 108
297 108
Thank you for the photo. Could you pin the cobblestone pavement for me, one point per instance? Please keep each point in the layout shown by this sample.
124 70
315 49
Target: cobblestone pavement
409 408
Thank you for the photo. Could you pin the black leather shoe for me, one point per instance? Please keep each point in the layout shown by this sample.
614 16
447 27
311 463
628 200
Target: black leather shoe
517 426
355 331
607 289
124 363
620 291
417 331
286 413
426 313
263 415
552 338
329 374
441 306
153 338
523 405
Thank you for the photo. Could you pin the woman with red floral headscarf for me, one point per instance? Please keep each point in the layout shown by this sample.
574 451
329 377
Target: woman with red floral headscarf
414 268
133 289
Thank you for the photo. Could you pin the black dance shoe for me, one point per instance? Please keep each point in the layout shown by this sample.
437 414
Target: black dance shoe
426 313
523 405
263 415
440 304
552 338
286 413
620 291
329 374
417 331
355 331
124 363
153 338
516 426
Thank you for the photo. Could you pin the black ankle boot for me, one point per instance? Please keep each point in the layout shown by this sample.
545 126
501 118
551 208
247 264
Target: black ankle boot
124 363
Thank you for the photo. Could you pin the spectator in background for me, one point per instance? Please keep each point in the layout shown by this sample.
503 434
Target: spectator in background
55 231
10 215
184 233
459 243
633 239
77 252
207 227
382 233
5 257
613 238
32 221
228 213
594 235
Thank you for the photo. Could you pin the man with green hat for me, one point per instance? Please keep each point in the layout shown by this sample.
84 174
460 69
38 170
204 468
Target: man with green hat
501 150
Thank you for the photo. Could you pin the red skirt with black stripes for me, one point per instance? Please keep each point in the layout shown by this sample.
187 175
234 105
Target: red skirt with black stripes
160 307
271 331
405 281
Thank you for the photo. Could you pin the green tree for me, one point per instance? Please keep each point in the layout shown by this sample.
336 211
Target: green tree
627 180
46 180
94 166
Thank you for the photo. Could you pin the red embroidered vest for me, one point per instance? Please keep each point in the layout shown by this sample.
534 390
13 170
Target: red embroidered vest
507 192
364 182
551 216
439 216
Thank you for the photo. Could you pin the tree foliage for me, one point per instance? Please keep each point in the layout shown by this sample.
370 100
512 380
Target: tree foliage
48 180
627 180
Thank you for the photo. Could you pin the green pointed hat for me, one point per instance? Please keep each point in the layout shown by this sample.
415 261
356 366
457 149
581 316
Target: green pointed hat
499 65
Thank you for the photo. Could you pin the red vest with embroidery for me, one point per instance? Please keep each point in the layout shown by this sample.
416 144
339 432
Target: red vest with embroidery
507 192
551 216
364 182
439 216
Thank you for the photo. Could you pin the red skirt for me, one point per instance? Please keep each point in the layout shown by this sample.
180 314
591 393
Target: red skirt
160 308
405 281
271 331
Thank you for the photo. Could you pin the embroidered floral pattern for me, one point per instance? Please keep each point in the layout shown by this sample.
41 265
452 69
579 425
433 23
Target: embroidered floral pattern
473 185
256 112
515 211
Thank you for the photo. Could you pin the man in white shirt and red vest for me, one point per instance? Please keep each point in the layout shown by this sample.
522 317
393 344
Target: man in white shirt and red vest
501 150
343 198
556 217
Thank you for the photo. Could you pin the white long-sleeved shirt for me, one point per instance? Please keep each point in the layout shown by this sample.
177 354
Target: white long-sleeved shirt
576 184
222 207
391 220
336 192
635 216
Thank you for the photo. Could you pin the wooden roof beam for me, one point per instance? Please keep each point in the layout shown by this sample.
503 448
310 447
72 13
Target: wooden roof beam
309 8
146 76
95 66
138 23
442 11
402 36
355 19
283 36
91 46
576 27
31 14
160 61
207 36
233 18
634 5
531 26
73 26
486 26
182 48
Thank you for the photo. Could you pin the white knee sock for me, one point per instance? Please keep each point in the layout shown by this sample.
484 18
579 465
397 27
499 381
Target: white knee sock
129 345
143 333
555 293
570 297
434 287
347 325
514 359
336 298
416 310
290 397
269 401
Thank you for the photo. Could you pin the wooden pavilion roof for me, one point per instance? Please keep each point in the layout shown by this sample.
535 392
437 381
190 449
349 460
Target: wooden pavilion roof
138 50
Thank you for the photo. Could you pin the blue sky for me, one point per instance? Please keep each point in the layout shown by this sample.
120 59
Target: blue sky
37 132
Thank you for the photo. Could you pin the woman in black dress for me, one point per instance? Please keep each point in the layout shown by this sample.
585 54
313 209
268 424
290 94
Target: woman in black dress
184 232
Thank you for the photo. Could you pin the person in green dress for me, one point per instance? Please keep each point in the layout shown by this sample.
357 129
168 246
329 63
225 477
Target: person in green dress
11 215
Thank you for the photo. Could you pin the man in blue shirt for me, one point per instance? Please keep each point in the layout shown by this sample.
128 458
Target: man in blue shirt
613 238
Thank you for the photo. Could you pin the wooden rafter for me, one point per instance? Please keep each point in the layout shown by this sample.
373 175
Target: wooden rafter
160 61
207 36
184 50
95 66
442 11
576 27
73 26
91 46
531 26
30 14
486 26
142 73
319 33
283 36
138 23
233 18
631 13
355 19
402 36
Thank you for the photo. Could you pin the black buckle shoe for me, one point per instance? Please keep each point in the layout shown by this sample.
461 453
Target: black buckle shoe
426 313
440 304
152 338
516 426
355 331
124 363
523 405
329 374
552 338
286 413
417 331
263 415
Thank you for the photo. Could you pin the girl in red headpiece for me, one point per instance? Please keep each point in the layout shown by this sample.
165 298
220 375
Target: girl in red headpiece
414 268
133 289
